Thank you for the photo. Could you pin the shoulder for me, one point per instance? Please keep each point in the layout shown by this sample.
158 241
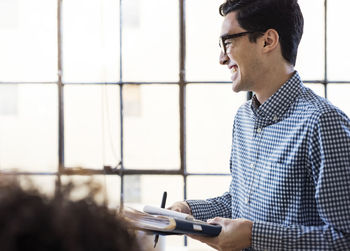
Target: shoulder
320 111
318 106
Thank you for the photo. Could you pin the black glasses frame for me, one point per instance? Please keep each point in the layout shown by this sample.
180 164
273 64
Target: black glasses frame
223 38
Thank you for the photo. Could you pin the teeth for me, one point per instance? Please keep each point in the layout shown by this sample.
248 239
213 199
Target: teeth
233 69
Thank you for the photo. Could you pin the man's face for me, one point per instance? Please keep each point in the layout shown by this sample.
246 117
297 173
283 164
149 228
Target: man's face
242 56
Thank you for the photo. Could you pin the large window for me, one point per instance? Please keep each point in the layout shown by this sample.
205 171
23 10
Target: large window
130 94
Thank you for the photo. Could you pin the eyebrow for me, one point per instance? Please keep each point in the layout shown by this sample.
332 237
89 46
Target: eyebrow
225 34
230 33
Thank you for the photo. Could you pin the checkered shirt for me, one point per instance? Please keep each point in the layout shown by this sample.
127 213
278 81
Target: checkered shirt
290 168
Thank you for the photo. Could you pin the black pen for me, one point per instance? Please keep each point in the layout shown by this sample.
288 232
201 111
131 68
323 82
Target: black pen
162 206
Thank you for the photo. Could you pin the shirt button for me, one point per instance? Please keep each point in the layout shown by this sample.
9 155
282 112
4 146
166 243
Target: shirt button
259 130
252 165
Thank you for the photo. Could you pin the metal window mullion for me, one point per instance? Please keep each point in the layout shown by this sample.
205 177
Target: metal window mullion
182 88
182 94
60 96
121 107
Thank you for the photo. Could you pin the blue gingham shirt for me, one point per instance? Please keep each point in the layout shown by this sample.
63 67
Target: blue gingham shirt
290 167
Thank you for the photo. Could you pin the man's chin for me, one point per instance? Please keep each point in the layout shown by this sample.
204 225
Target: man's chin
236 87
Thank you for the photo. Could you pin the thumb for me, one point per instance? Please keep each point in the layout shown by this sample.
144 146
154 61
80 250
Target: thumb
216 220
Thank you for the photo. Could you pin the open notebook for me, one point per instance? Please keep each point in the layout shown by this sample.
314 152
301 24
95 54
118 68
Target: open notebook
165 222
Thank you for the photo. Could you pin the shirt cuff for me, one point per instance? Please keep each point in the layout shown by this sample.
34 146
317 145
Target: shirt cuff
267 236
200 209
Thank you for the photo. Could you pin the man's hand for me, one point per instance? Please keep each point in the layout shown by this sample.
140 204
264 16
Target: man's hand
181 206
235 234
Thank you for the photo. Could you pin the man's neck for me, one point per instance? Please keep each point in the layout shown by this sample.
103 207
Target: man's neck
272 81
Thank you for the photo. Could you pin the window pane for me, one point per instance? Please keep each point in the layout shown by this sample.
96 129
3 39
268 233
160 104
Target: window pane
203 25
194 245
45 184
338 41
90 40
163 243
338 94
310 60
29 128
141 190
109 185
205 187
317 88
92 126
28 44
151 127
210 114
150 40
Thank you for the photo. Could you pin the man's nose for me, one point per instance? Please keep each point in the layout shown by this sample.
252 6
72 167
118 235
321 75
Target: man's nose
223 58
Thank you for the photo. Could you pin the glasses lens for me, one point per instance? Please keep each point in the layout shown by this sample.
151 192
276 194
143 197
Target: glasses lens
221 44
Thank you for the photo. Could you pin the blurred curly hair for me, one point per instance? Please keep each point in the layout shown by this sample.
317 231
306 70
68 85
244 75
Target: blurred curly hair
31 221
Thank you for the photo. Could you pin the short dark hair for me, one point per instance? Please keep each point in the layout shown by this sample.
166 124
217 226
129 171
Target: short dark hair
31 221
260 15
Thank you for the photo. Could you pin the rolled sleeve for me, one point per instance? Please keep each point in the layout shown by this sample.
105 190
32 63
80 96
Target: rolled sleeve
211 208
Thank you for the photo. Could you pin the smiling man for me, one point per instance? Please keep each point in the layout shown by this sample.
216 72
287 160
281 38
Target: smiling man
290 158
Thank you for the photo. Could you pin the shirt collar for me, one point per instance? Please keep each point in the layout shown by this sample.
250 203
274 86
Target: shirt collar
277 105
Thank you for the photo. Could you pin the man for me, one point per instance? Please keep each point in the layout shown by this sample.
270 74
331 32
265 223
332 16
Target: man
290 159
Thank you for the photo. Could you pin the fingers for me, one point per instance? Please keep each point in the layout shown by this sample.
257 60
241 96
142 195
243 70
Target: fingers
199 238
217 220
196 237
181 207
175 208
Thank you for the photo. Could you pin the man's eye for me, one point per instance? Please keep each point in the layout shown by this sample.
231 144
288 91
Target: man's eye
227 44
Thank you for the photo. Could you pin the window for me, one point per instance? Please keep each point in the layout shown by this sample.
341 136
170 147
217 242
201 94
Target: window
125 93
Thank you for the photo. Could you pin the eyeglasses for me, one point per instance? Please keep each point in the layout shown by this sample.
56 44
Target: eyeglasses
222 39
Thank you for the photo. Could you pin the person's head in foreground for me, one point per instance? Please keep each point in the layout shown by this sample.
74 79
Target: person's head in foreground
30 221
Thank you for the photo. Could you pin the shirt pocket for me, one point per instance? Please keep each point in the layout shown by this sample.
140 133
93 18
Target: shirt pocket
279 190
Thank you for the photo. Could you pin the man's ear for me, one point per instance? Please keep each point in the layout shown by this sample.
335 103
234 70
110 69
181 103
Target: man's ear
270 40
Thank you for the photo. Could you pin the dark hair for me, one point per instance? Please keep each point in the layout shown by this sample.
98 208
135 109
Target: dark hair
260 15
30 221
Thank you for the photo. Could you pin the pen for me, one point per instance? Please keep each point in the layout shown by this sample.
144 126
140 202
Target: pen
162 206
